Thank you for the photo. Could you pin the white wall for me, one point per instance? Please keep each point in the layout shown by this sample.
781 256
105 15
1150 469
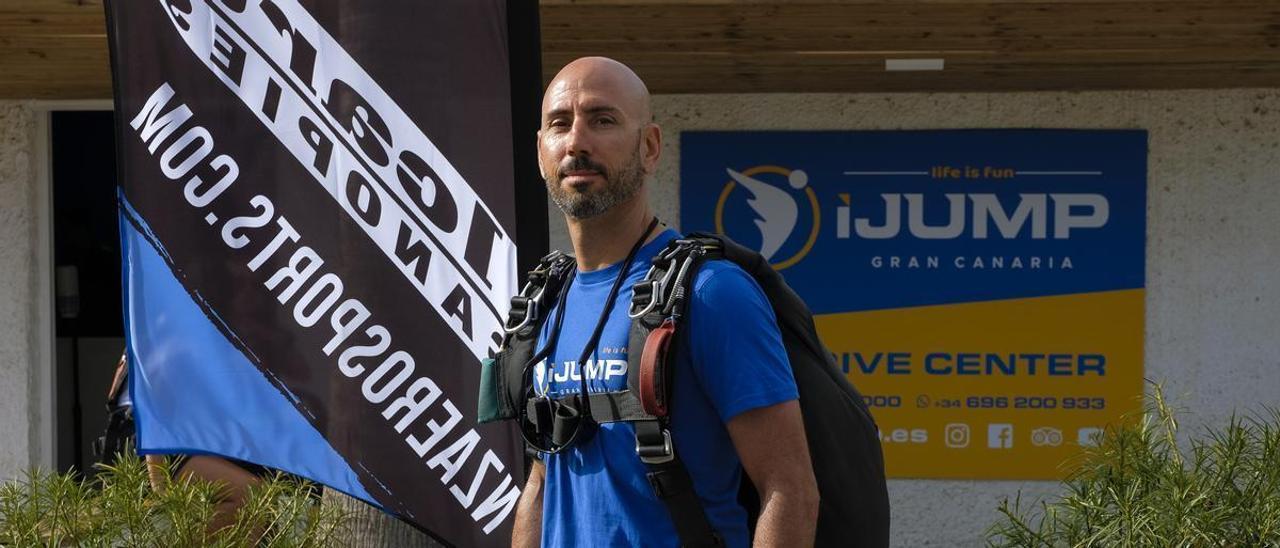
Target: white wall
1213 241
18 283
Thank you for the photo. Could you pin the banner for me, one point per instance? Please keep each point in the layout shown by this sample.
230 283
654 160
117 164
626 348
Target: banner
319 221
982 288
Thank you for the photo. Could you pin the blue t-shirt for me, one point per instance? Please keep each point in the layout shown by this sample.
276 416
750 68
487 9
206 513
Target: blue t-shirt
596 493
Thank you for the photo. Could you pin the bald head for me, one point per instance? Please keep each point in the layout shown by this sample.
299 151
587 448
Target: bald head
598 141
613 81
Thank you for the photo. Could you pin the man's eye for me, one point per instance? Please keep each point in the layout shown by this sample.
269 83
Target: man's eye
558 123
605 121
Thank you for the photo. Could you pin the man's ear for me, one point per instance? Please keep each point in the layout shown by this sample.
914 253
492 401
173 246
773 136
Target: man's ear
652 138
537 147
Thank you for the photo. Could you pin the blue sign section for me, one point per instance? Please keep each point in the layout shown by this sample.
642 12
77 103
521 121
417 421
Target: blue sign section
865 220
206 397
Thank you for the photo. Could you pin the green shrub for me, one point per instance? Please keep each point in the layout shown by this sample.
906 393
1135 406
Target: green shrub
1139 488
119 508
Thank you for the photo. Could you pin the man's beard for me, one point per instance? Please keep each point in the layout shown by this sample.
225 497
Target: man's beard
618 187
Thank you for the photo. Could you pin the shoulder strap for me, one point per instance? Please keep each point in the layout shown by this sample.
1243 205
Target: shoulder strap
528 312
541 288
659 303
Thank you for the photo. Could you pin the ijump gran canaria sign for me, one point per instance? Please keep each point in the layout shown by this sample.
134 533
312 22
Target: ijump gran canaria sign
318 215
982 288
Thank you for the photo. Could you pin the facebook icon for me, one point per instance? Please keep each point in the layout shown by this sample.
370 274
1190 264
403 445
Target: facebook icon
1000 436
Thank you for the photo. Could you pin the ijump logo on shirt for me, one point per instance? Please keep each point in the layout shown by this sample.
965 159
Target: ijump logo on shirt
779 203
564 377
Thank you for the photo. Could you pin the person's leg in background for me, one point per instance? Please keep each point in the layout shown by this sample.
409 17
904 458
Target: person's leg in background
234 479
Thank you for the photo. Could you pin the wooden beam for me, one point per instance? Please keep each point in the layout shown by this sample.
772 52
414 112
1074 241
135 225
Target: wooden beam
671 81
54 67
841 46
774 26
57 48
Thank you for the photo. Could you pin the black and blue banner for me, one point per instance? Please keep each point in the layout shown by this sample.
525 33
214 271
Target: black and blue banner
318 208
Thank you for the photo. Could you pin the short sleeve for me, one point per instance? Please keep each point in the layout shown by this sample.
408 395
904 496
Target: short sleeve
736 348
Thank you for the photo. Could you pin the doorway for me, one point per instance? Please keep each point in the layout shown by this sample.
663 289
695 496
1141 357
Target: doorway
88 318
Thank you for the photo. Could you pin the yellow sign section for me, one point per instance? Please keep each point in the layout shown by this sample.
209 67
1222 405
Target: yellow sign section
1005 389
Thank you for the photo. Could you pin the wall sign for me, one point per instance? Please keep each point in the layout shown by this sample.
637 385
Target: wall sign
983 289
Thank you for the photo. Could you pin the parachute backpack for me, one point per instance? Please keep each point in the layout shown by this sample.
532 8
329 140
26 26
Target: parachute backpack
844 442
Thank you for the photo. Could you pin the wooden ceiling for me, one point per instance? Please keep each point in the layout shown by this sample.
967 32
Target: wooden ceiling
57 48
1010 45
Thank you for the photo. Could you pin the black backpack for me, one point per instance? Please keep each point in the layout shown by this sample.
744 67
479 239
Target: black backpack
844 442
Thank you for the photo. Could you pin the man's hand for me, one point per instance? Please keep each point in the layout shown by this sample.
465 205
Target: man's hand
527 532
775 454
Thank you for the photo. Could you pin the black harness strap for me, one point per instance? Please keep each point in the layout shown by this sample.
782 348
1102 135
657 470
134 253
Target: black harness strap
544 286
672 485
605 407
657 300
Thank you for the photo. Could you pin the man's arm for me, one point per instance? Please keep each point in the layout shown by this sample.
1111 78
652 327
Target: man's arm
775 454
527 532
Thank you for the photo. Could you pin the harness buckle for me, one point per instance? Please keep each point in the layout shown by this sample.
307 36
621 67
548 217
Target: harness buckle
658 453
531 309
657 295
538 280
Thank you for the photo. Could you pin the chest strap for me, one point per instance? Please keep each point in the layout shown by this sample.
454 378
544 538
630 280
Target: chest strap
606 407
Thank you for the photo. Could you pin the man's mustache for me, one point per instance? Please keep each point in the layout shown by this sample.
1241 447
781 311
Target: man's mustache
581 163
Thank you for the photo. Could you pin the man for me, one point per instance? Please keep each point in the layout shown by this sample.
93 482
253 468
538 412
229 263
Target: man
734 399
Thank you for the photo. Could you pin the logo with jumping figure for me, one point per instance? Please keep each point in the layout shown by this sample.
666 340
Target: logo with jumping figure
772 194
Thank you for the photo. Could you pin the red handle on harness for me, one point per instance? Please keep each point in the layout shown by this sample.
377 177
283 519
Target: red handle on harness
653 362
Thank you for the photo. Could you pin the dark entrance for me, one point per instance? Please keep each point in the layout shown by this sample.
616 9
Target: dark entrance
89 326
